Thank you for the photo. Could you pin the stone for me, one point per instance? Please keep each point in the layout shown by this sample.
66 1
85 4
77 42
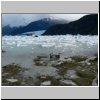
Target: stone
91 58
94 82
12 80
59 63
3 51
68 83
5 74
54 56
69 59
35 36
62 59
71 74
43 77
46 83
88 63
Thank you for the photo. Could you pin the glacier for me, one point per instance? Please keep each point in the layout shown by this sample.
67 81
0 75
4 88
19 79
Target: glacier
62 40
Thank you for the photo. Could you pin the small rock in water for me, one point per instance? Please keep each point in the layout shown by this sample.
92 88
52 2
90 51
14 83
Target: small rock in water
43 77
71 74
54 56
12 80
35 36
68 82
88 63
69 59
63 59
3 51
5 74
91 58
46 83
59 63
94 82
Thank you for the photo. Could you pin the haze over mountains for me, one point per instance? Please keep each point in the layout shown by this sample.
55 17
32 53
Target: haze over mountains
86 25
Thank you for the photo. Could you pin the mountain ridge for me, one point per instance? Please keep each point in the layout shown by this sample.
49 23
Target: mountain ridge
42 24
87 25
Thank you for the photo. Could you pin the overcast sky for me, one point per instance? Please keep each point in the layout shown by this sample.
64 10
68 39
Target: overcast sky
23 19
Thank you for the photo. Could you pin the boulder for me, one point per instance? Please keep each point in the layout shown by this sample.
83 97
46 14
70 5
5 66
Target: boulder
45 83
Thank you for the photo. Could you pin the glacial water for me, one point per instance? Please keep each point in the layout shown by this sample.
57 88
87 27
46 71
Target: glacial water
23 49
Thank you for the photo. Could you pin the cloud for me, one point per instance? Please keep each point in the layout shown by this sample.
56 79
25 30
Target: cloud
70 17
23 19
20 19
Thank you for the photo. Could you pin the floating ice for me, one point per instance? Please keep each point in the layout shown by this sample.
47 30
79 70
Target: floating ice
47 41
21 49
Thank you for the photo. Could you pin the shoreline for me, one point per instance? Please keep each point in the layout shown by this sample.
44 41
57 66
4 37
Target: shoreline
76 70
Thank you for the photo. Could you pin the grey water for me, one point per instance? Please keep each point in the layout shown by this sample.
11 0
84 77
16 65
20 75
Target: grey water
23 49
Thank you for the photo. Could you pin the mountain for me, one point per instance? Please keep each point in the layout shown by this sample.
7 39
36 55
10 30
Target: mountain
87 25
42 24
6 30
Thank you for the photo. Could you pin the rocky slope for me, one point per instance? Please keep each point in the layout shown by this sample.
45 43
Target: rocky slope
87 25
53 71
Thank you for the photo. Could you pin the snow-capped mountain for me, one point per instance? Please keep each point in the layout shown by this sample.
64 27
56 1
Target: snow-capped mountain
42 24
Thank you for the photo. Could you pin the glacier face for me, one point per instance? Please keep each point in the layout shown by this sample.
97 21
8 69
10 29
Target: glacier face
19 48
58 40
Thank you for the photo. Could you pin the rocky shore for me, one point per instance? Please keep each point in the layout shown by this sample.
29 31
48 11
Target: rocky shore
53 70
